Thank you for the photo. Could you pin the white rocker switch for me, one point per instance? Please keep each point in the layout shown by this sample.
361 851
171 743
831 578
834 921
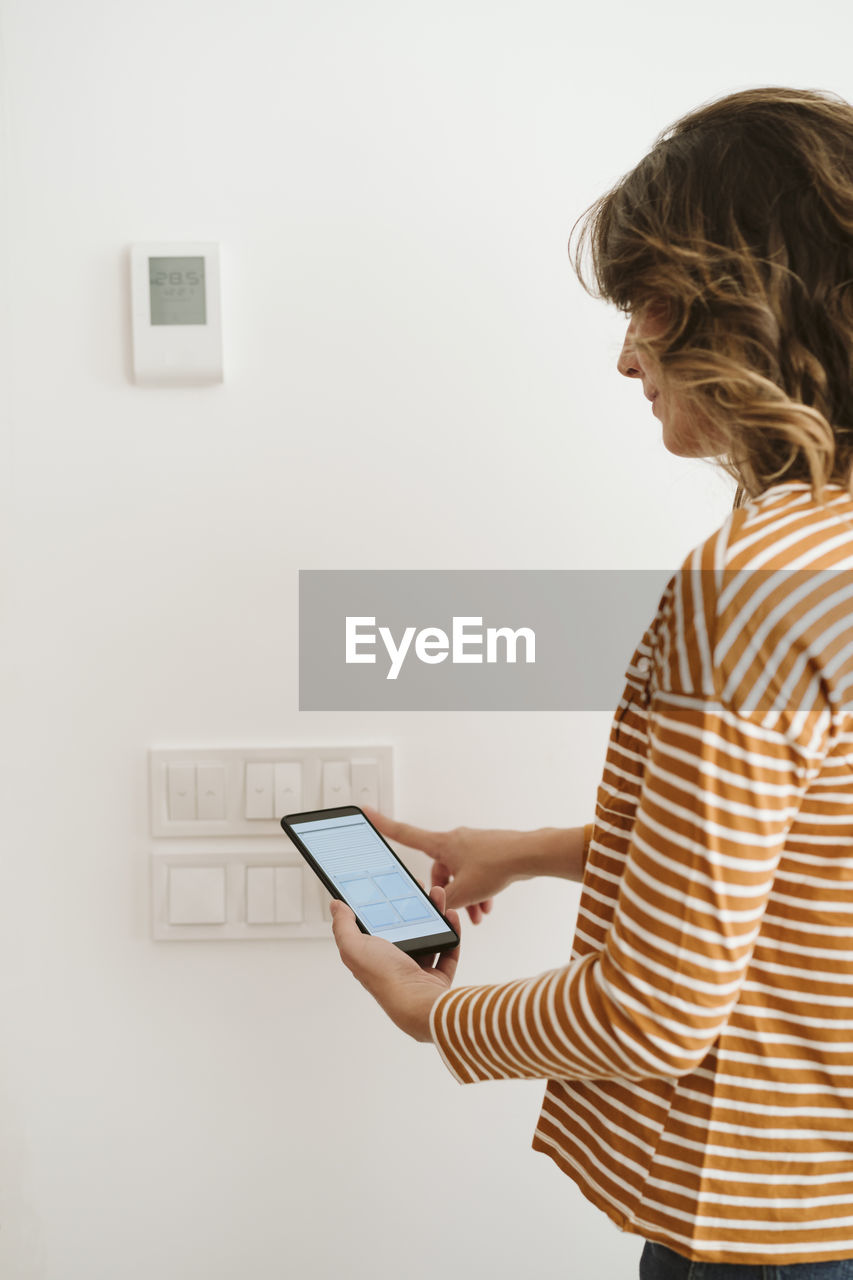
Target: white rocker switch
181 792
288 895
196 895
211 791
274 895
259 791
260 895
336 783
288 788
365 783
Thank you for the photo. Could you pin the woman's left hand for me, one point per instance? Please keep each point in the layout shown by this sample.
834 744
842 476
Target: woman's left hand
405 987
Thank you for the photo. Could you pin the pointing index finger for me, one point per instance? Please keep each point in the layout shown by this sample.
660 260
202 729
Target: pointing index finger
412 837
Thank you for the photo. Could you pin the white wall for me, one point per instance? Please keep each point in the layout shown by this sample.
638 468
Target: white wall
392 186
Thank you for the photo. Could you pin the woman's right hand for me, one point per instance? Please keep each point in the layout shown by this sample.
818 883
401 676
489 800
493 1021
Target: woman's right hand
470 863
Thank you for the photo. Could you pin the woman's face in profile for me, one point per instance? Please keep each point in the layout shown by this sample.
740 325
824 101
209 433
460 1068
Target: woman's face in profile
678 435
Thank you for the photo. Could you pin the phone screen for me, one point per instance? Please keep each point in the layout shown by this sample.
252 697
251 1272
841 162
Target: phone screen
370 878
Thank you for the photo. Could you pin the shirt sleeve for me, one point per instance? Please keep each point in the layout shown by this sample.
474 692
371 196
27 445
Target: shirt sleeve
720 790
589 827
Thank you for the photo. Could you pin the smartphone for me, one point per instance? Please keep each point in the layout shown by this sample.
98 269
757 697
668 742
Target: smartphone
357 866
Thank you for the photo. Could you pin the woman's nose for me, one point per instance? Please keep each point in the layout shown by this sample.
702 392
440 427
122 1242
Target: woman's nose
627 362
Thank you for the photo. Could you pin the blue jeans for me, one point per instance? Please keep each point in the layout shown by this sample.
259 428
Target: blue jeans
659 1263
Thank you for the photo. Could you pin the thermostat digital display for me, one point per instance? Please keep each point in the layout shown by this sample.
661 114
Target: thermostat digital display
177 290
176 313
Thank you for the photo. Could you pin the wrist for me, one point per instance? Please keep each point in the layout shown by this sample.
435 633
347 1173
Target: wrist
552 851
417 1021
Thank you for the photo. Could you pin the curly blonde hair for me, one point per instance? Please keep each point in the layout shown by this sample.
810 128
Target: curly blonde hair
737 229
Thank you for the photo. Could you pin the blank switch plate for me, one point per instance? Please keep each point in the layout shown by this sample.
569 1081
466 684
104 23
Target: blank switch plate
196 895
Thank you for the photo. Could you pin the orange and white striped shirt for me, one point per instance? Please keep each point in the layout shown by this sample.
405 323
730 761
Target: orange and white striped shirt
698 1046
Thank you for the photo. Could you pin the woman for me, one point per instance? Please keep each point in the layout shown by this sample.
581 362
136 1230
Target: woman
698 1046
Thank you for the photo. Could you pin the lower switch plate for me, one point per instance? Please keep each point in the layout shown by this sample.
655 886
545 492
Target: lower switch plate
315 914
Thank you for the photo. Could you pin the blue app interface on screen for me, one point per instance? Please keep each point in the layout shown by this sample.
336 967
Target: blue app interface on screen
380 891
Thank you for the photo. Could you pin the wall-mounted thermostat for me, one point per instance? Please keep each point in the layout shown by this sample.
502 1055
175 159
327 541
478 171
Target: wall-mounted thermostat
177 319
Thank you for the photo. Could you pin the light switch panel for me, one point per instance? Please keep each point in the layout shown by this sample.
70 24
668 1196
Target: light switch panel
234 791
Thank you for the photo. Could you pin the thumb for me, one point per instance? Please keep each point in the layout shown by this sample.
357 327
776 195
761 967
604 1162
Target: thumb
452 899
344 927
458 893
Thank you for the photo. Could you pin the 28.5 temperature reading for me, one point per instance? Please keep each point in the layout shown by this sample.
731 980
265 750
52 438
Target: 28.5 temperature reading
175 278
